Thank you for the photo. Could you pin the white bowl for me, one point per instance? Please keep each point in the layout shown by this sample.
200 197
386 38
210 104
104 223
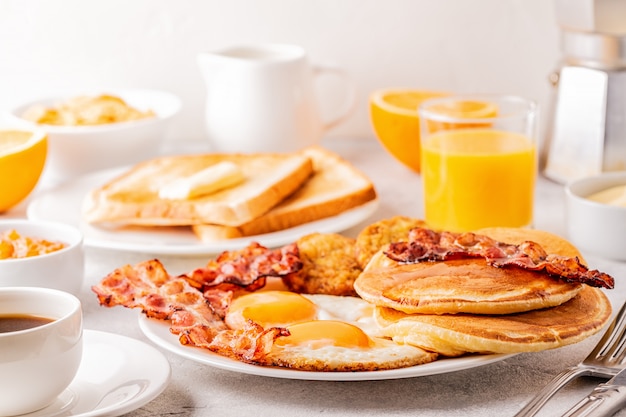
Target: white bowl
38 364
592 226
63 269
76 150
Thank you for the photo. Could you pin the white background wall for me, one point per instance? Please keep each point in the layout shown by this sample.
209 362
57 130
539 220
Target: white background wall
48 47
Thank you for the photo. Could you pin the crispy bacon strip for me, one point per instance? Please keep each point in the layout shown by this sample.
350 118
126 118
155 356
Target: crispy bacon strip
247 270
136 287
196 316
243 268
250 344
427 245
148 286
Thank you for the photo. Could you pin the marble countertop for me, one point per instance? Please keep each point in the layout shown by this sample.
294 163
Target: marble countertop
496 389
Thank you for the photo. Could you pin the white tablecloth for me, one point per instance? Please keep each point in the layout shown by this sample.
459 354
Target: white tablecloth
497 389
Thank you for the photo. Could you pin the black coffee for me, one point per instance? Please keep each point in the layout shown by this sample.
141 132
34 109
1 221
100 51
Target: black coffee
15 322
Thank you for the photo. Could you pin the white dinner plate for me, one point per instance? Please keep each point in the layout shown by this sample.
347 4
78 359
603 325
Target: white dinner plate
158 332
116 376
63 204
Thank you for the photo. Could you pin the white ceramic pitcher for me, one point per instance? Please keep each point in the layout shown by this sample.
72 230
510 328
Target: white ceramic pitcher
262 98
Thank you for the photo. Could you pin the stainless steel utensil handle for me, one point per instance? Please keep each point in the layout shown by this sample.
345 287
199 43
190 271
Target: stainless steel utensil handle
604 400
549 390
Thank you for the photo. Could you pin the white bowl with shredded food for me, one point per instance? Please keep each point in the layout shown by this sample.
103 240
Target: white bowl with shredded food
596 214
91 131
41 254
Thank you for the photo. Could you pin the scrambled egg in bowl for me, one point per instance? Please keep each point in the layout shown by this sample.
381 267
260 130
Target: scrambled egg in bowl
90 131
86 111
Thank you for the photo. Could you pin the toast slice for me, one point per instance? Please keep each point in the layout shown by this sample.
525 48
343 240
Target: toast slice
334 187
133 197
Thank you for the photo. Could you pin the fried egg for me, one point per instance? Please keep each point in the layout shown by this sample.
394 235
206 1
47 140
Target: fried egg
327 333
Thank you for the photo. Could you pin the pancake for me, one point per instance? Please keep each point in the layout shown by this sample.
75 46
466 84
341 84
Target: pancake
550 242
452 335
468 285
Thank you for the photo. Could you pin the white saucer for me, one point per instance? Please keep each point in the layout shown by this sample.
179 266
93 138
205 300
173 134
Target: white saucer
117 375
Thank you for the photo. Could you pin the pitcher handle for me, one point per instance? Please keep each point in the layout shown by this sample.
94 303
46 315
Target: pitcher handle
349 104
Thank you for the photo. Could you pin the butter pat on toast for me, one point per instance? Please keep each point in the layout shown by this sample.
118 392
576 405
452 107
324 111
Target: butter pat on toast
133 197
334 187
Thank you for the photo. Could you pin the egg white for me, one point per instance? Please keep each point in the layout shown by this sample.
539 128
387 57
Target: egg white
381 354
351 310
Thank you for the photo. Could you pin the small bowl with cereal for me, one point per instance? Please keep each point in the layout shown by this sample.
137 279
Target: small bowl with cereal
91 131
41 254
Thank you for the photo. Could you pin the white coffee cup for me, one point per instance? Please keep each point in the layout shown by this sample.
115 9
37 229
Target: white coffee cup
37 364
262 98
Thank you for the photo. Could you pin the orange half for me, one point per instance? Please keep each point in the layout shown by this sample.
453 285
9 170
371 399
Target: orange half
394 118
22 159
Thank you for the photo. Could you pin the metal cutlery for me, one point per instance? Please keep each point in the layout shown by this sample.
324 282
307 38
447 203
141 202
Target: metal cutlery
605 400
604 361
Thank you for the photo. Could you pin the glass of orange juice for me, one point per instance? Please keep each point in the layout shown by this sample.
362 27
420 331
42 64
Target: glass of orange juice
479 161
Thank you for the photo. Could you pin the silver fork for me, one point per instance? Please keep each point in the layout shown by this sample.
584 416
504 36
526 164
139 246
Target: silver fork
606 359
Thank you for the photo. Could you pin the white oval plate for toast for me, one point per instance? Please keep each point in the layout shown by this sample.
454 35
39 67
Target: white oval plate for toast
158 331
63 204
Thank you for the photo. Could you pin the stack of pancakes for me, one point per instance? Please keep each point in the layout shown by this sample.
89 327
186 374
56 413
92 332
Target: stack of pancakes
458 306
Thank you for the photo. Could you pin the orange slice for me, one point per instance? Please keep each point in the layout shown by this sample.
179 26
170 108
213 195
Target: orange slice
22 158
394 118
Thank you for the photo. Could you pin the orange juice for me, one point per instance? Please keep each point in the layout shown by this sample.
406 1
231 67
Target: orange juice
476 178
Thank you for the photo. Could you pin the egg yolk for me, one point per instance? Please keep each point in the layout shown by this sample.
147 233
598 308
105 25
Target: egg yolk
270 309
320 333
